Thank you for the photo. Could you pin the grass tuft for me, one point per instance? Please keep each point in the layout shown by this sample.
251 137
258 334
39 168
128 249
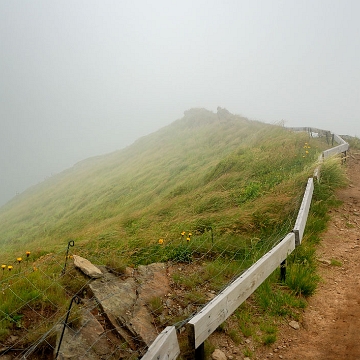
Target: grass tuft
302 279
335 262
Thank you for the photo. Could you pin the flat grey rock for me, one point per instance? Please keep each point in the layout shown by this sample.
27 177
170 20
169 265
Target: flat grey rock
218 355
88 338
294 324
125 301
87 267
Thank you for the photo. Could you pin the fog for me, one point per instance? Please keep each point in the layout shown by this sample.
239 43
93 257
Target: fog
84 78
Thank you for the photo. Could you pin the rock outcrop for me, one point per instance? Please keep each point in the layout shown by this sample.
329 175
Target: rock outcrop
89 338
124 301
123 305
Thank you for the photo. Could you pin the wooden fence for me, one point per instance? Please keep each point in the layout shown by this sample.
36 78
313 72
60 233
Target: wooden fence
206 321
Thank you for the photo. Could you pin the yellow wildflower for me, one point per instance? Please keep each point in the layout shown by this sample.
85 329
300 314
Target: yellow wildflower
10 267
161 241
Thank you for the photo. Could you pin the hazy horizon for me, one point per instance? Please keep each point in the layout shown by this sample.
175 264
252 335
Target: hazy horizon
85 78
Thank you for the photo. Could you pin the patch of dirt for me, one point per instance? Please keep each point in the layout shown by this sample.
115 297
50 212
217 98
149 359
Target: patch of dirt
329 328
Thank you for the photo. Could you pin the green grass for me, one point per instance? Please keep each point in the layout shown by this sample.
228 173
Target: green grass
275 302
354 142
269 339
156 306
248 353
174 176
236 185
335 262
302 279
235 336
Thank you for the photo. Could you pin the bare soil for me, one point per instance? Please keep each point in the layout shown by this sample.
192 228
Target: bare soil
330 326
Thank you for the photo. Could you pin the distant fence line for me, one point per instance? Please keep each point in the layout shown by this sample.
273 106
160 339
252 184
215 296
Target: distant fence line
205 322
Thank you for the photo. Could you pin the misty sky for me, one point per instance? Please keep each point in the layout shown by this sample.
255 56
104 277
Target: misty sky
84 78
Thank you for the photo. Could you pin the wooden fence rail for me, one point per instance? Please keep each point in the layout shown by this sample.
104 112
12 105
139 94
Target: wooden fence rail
303 212
205 322
223 305
342 148
165 346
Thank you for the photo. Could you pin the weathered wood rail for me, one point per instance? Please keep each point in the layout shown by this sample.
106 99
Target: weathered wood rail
222 306
205 322
165 346
303 212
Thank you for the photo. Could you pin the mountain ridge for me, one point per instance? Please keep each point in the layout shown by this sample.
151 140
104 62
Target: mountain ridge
195 168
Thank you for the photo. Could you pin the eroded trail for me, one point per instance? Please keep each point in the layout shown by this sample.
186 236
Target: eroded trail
330 328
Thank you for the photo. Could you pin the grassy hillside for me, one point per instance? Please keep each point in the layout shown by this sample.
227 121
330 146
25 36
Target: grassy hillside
234 184
219 170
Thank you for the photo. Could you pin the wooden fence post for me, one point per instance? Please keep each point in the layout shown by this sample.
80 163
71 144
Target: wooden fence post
283 271
200 352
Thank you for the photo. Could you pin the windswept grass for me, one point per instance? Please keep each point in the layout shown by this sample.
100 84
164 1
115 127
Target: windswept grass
274 301
354 142
235 184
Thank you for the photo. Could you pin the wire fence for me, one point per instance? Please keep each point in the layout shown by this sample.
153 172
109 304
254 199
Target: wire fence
42 325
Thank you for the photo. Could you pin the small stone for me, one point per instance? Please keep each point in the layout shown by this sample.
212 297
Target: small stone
325 261
248 341
280 356
129 271
87 267
169 303
294 324
218 355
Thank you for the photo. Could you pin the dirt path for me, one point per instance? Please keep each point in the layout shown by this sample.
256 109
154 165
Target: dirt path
330 327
